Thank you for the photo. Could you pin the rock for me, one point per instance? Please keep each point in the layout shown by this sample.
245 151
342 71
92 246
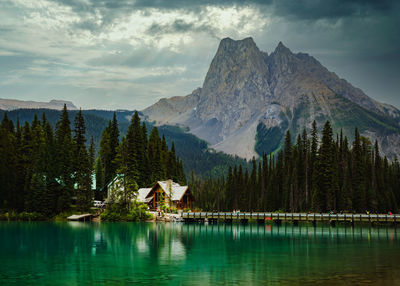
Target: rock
250 98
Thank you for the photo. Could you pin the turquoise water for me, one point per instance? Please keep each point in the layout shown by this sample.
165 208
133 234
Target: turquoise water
49 253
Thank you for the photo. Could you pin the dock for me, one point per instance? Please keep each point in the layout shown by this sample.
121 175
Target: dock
295 218
81 217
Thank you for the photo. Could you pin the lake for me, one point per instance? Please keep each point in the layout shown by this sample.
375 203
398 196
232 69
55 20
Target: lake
77 253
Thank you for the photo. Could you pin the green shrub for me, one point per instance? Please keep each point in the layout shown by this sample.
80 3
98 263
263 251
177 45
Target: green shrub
117 212
108 215
24 216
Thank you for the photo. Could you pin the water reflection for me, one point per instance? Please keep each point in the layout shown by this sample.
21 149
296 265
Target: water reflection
238 231
114 253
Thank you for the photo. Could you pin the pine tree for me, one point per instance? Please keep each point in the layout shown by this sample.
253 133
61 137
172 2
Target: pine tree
379 180
261 203
326 174
358 173
99 177
64 152
229 188
146 163
82 165
8 166
123 160
253 187
155 156
134 155
287 191
105 154
114 142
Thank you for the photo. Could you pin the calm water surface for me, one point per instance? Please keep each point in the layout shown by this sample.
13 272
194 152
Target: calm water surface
44 253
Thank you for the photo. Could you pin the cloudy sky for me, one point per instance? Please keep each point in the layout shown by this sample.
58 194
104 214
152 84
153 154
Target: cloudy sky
129 53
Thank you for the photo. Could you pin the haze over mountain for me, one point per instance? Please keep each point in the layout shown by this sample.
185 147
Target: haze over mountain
11 104
249 99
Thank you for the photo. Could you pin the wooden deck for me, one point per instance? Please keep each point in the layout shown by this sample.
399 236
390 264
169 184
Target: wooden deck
291 217
81 217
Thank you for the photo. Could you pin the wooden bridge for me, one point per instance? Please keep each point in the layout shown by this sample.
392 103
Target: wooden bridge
295 218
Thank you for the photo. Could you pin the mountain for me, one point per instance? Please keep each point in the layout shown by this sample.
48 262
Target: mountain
249 99
11 104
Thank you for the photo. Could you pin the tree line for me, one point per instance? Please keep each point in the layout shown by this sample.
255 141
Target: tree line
48 171
312 174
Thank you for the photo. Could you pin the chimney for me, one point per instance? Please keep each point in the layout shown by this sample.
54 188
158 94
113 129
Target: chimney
169 185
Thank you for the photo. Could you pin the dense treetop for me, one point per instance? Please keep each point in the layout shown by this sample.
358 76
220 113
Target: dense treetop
314 174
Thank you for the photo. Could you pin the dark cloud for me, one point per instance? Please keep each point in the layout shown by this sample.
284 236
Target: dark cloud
307 9
357 39
178 26
332 9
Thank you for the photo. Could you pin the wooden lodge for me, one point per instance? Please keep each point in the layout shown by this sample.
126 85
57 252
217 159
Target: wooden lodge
169 193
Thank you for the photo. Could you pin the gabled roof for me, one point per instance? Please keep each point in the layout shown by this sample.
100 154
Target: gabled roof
177 190
142 194
114 179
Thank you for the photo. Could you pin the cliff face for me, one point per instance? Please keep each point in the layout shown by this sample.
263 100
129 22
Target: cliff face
249 99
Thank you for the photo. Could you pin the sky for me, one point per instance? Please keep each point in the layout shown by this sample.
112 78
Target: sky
127 54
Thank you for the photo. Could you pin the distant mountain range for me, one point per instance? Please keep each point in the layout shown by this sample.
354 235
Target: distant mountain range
11 104
249 99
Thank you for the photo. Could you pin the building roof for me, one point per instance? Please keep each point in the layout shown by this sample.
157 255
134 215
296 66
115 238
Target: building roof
114 179
142 194
177 190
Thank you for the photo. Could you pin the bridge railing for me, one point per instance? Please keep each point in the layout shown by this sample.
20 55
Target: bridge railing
292 216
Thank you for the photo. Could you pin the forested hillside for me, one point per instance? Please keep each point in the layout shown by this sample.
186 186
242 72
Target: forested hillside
194 152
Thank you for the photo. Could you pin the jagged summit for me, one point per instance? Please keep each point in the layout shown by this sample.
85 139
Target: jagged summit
229 41
249 99
281 48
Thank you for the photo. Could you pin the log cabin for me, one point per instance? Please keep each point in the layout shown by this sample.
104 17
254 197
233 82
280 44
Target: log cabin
169 193
166 193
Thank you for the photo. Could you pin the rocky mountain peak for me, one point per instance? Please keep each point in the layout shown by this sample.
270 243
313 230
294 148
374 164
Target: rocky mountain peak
249 99
228 44
237 81
282 49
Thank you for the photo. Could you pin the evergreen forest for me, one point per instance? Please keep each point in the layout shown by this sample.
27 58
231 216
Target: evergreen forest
48 171
313 174
194 152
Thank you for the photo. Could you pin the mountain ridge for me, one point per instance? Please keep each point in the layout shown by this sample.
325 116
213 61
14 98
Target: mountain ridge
11 104
245 87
